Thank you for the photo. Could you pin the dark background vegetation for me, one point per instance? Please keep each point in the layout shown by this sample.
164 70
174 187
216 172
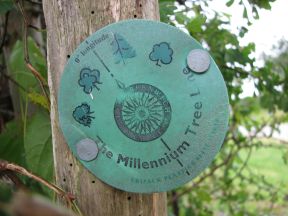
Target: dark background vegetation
248 177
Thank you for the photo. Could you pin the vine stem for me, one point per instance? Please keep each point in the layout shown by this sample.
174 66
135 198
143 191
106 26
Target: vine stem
37 75
69 198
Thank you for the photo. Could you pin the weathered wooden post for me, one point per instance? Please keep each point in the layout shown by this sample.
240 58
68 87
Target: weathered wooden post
69 23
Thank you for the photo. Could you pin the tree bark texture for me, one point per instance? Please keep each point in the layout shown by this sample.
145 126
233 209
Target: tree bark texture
68 23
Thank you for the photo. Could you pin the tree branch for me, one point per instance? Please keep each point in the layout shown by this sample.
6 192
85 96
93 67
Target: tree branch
6 166
203 177
175 204
34 2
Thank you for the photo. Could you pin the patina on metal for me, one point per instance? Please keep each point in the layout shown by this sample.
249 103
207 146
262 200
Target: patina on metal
149 100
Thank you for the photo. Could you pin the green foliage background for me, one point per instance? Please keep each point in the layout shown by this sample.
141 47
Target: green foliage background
248 175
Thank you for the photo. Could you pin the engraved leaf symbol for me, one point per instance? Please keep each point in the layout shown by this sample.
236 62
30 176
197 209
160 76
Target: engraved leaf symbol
121 49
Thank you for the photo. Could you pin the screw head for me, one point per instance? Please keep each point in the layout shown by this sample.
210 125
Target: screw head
198 60
87 149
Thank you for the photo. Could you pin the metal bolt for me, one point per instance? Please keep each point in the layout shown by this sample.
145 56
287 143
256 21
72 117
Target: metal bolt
198 60
87 149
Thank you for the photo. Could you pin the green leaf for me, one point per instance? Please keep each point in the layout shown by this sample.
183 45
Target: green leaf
242 196
189 212
5 5
18 69
204 195
255 13
11 143
264 4
229 3
285 157
243 31
39 99
166 8
195 25
181 18
38 145
245 14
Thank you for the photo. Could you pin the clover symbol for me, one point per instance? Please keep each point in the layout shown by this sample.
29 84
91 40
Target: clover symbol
82 114
89 79
161 52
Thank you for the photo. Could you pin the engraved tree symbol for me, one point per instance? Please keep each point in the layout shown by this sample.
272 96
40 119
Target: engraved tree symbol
161 53
82 114
121 49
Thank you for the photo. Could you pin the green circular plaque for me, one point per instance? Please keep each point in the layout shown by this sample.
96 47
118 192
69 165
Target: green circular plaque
156 123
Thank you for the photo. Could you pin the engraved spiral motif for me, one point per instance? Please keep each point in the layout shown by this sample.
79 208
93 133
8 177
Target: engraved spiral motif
142 113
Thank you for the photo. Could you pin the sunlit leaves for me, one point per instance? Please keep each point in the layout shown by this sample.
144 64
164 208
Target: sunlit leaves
39 99
195 24
181 18
266 4
235 185
166 10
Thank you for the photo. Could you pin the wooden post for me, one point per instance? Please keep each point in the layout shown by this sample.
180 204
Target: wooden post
69 23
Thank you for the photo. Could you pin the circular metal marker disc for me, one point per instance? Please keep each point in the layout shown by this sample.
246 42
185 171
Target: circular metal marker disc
157 124
198 60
